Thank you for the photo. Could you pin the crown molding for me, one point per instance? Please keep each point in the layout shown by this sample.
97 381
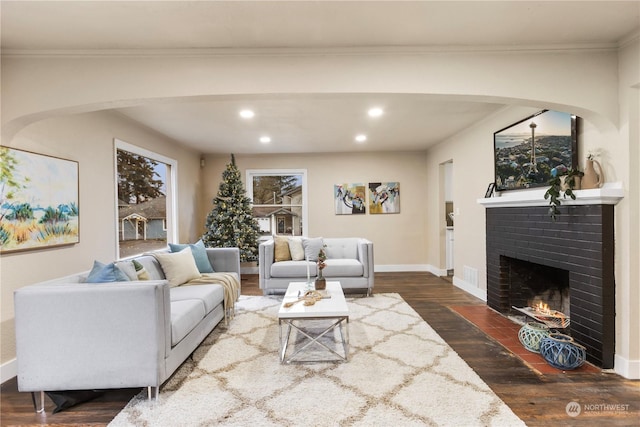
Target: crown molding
314 51
629 39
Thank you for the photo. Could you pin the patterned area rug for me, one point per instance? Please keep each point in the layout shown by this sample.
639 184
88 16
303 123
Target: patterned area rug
400 373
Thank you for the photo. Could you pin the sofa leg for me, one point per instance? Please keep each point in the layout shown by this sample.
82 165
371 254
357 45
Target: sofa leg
153 393
38 401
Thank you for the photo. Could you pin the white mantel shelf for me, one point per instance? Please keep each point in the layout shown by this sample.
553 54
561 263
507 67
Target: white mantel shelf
609 194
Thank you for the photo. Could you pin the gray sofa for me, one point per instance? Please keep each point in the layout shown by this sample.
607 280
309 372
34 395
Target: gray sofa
72 335
349 260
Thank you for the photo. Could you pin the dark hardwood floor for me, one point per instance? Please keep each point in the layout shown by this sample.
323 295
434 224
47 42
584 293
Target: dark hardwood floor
539 400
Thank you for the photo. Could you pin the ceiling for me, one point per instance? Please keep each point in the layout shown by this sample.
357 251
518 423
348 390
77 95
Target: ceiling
311 122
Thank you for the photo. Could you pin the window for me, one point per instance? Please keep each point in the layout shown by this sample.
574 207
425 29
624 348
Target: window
146 214
279 200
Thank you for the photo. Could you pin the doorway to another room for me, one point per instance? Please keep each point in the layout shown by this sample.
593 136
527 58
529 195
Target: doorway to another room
448 215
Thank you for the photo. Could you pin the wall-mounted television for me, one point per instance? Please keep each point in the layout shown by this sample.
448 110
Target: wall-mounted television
527 152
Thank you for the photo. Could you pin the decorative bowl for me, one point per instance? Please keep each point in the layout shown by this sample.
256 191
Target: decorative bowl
561 352
531 334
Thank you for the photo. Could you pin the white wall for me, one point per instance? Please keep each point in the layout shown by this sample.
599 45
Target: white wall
472 155
399 239
89 139
627 158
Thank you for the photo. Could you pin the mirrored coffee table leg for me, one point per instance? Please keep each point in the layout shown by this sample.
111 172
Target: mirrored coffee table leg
314 339
284 338
345 338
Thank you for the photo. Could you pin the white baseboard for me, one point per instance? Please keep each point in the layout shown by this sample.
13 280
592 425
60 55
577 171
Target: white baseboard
395 268
629 369
440 272
470 288
388 268
411 267
8 370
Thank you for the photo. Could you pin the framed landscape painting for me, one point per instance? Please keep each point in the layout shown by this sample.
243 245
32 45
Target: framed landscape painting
38 201
349 199
384 197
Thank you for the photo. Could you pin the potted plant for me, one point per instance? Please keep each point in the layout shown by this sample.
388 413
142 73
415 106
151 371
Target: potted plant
563 183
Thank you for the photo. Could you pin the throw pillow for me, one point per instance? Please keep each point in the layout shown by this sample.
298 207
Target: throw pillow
199 253
312 247
141 272
179 267
128 269
296 249
281 251
105 273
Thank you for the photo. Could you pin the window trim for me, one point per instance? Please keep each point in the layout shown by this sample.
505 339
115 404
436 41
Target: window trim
250 173
171 185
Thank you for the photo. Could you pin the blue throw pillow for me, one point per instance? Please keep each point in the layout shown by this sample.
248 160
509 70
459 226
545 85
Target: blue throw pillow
105 273
199 255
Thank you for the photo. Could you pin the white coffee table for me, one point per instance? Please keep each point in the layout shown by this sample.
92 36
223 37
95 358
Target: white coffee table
334 310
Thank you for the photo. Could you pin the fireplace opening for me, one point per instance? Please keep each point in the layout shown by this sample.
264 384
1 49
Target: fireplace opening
535 285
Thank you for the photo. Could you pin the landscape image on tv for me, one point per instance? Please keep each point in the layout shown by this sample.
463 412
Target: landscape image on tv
533 150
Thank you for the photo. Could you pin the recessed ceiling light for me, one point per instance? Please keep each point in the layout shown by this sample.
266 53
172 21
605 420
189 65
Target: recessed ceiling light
361 138
375 112
247 114
265 139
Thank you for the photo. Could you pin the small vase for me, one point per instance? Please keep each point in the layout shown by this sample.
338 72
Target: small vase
321 282
592 178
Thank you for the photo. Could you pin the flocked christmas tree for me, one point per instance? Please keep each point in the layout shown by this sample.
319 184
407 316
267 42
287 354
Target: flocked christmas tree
230 223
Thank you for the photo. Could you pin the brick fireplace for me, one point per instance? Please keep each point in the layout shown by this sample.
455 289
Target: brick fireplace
574 256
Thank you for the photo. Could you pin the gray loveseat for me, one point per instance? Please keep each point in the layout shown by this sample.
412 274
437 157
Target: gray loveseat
349 260
72 335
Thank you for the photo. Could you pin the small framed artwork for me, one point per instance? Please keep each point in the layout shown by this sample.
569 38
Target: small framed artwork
38 201
384 197
490 189
349 199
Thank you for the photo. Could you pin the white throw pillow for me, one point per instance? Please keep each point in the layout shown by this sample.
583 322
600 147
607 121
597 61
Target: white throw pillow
296 249
128 269
312 247
179 267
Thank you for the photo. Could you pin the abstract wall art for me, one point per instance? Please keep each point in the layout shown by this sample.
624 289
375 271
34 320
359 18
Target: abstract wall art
349 199
384 197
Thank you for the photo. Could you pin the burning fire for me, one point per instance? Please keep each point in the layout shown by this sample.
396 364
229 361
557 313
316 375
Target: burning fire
542 307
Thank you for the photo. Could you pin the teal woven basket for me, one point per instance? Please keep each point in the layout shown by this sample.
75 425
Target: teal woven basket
531 335
561 352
